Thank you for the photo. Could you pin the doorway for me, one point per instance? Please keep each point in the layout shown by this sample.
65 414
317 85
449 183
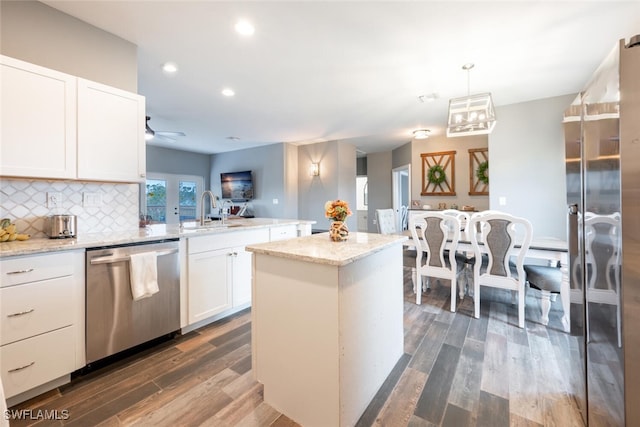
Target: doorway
401 194
171 199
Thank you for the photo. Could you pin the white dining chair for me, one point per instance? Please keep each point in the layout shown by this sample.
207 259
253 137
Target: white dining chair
386 221
386 224
602 258
465 260
430 232
501 236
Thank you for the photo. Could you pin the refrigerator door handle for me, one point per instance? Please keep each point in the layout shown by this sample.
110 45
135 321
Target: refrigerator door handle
573 209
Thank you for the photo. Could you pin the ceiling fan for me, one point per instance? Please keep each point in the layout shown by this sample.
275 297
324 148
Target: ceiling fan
160 135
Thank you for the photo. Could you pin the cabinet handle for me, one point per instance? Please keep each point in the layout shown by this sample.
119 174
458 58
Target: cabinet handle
22 367
28 270
22 313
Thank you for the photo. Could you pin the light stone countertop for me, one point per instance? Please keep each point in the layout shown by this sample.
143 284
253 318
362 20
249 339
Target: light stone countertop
138 235
318 248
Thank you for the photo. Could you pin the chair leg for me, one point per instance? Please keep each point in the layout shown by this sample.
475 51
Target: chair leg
521 307
413 278
545 304
476 299
453 294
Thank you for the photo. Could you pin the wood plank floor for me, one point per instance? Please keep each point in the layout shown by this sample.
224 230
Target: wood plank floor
456 371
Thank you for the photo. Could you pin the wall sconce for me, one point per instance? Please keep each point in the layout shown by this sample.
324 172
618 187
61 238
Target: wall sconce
314 169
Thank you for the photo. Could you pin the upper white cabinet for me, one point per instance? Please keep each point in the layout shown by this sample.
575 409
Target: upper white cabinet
111 122
55 125
37 121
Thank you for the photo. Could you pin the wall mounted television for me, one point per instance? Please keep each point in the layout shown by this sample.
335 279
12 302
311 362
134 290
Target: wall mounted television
237 186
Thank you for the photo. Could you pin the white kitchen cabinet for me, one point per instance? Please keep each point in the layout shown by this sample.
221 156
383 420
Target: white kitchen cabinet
219 273
283 232
41 322
55 125
209 284
111 123
37 121
241 276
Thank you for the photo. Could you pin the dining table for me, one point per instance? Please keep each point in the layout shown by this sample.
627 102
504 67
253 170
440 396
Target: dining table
550 250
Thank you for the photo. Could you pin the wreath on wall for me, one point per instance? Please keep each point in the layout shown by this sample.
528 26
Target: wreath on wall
482 173
436 174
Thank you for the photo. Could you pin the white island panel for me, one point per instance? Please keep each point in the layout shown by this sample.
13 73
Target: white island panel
327 331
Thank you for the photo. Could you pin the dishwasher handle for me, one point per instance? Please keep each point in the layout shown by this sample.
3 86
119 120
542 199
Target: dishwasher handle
109 259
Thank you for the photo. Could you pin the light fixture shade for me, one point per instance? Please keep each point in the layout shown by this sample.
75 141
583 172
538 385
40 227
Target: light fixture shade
314 169
421 133
471 115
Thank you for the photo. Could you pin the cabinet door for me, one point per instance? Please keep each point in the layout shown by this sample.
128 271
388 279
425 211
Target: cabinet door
283 232
241 276
37 121
111 122
209 283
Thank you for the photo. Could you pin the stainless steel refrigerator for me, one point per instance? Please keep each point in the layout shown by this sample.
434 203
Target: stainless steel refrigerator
602 142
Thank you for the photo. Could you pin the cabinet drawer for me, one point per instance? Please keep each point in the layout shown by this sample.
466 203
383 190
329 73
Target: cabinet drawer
32 362
35 308
227 240
36 267
283 232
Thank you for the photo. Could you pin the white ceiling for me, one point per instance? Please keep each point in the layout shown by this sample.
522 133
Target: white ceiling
349 70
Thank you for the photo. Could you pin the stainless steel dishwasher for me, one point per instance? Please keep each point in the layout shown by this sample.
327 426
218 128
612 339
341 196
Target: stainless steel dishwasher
115 322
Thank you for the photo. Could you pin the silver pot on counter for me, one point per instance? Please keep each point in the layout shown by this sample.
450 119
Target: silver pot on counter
60 226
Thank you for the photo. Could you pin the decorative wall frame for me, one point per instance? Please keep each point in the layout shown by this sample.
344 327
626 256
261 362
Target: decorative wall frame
438 174
478 171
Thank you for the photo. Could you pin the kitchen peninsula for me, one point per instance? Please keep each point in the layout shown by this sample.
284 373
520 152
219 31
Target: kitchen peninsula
327 323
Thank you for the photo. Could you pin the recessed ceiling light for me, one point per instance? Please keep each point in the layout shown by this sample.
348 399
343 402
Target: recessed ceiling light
233 138
228 92
421 133
244 28
430 97
170 67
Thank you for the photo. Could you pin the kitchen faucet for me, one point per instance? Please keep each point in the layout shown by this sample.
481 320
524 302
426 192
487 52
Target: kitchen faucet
212 199
225 211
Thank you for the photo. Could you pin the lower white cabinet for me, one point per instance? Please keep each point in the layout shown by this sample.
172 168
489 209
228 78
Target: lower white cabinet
41 322
219 272
283 232
31 362
209 284
241 276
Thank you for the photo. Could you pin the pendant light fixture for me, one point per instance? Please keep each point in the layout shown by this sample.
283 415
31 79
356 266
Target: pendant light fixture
471 114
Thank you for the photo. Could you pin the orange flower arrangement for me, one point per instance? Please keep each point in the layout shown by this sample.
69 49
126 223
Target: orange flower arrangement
337 210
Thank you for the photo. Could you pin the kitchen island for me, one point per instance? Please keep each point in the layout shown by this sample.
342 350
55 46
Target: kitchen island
327 323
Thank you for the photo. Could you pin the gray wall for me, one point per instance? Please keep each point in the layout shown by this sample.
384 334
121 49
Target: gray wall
461 146
526 154
36 33
337 180
401 156
267 165
361 166
380 183
178 162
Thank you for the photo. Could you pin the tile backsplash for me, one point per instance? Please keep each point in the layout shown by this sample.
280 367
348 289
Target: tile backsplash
98 206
